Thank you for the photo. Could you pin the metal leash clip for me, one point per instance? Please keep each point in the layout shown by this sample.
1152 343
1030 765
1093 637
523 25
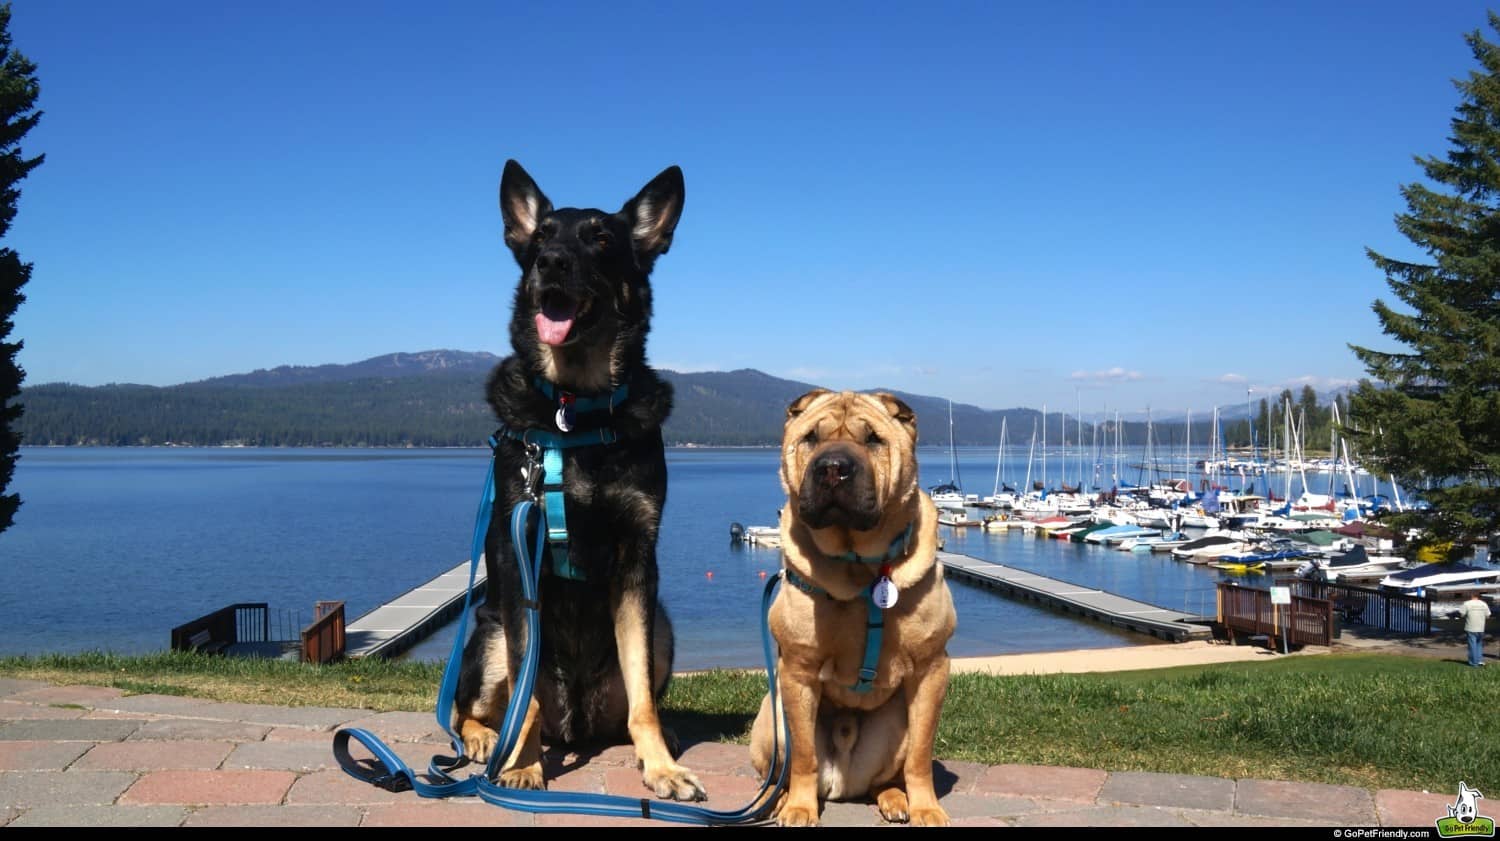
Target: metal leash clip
531 473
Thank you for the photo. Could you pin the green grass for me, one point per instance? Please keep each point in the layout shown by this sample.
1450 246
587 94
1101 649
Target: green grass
1370 720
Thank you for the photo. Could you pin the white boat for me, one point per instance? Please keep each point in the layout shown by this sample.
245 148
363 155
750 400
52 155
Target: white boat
1442 578
1355 564
1211 546
950 495
755 535
959 519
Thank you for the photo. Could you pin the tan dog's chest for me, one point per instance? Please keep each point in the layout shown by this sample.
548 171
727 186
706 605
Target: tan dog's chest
823 641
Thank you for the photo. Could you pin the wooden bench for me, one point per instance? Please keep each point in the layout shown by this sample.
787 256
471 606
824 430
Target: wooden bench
203 641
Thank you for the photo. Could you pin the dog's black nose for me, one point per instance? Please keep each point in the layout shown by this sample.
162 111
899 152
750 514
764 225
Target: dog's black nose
833 468
553 260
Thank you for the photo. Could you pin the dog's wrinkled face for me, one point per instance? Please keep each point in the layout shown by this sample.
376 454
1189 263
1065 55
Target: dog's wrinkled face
584 272
847 458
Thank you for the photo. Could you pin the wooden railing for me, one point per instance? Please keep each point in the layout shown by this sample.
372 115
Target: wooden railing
1306 621
1387 611
323 640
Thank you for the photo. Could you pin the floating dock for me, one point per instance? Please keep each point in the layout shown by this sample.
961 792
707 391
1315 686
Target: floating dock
1098 605
394 627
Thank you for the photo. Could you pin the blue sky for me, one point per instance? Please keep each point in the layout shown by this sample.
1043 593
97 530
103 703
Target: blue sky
1112 205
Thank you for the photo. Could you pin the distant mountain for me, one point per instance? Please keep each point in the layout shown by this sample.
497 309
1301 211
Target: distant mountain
436 398
391 365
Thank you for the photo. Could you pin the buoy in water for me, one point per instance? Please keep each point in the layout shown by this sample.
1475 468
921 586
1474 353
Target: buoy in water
710 574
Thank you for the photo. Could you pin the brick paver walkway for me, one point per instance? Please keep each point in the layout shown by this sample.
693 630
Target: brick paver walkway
90 756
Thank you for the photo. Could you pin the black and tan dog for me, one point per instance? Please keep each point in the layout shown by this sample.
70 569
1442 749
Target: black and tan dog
578 330
859 543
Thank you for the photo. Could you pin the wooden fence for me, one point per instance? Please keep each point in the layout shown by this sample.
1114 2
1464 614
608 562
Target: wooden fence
323 640
1306 621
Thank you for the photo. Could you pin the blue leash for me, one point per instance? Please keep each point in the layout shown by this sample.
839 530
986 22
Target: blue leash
397 776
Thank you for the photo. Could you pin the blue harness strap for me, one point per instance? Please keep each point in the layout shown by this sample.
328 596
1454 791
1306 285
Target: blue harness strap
874 613
388 771
874 629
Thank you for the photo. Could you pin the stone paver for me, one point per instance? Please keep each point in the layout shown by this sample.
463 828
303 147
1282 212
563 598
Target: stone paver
13 711
196 729
433 813
69 730
1341 805
268 816
288 756
86 696
39 755
27 789
209 788
1178 790
113 816
1041 781
1412 808
1122 815
154 756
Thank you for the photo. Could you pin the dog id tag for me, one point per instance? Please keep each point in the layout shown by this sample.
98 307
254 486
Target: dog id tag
884 595
565 413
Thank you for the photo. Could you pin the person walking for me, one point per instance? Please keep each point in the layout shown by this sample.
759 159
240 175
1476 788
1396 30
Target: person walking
1475 612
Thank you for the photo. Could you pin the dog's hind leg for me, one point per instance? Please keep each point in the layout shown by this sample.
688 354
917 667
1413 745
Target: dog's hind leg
636 624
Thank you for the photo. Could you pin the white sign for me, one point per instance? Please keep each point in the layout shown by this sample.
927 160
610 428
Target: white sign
1281 595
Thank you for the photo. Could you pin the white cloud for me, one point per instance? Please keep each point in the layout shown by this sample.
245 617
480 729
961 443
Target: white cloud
1111 375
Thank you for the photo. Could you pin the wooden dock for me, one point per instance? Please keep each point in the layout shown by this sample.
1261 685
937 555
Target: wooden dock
394 627
1098 605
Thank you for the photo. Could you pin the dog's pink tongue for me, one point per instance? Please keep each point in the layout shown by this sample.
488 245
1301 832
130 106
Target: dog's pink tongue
554 321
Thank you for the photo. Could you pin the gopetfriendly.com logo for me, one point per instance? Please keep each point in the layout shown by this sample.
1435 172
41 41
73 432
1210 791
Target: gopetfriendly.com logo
1464 820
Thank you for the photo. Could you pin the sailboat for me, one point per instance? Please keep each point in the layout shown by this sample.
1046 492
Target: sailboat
950 494
999 498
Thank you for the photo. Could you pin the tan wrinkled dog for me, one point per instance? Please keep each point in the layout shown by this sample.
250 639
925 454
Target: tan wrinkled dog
855 513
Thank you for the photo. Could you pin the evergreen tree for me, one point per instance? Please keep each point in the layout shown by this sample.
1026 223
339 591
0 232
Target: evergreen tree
1432 416
18 92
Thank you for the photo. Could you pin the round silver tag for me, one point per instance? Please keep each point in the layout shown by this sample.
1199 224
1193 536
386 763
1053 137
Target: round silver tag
562 420
884 595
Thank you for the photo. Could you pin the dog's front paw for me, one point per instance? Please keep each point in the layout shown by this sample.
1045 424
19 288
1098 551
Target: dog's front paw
797 814
529 778
893 805
929 817
673 782
479 741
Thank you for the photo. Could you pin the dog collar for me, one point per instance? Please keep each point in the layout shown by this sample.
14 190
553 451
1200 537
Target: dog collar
897 549
874 627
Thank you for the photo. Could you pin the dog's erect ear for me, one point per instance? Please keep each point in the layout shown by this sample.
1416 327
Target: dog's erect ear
898 410
801 403
522 206
654 212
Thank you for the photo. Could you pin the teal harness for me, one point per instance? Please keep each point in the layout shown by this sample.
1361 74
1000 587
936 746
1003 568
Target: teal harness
544 450
543 475
874 612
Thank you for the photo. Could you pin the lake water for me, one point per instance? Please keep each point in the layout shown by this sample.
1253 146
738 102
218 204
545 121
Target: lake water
114 547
